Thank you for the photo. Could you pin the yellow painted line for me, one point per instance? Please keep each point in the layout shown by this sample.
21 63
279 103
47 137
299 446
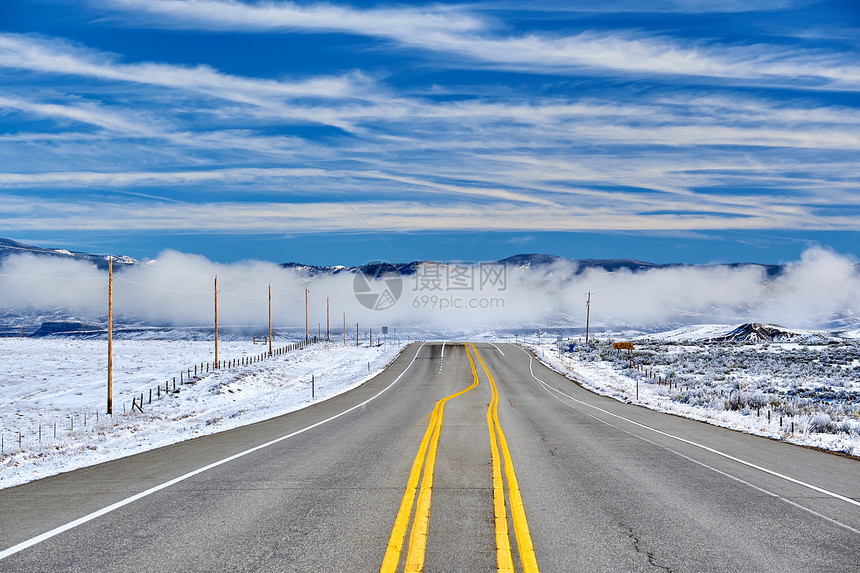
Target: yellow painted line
504 560
418 536
401 522
421 522
518 514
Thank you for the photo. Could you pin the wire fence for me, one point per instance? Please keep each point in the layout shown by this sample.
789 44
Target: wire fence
78 427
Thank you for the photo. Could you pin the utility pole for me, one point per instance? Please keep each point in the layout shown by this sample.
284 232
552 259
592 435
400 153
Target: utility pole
327 325
307 338
110 336
356 335
587 316
344 329
216 321
270 320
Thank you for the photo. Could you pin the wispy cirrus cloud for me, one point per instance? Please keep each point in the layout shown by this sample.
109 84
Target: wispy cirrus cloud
656 6
55 56
90 113
463 31
641 214
573 128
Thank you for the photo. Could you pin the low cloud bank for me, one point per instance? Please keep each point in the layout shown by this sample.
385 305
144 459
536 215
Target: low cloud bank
821 290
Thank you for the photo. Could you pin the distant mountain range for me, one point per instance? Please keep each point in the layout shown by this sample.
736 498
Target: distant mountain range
9 247
526 261
50 321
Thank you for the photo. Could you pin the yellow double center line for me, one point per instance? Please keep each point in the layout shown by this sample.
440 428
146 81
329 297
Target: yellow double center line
504 561
418 536
427 449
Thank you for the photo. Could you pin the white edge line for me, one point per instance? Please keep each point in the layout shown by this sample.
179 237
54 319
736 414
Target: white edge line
553 391
443 349
80 521
499 349
706 448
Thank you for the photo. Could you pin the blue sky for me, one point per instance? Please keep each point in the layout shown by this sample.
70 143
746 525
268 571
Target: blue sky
337 133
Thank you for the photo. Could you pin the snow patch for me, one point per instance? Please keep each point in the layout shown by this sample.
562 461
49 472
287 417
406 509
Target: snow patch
55 396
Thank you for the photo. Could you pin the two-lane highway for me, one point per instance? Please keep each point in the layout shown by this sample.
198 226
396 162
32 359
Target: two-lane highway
448 455
614 487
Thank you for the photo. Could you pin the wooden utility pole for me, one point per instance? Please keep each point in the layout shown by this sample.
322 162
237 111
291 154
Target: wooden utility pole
344 329
216 321
307 338
270 320
356 335
587 316
327 324
110 337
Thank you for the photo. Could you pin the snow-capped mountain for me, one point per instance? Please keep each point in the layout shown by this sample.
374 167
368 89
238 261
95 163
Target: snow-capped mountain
9 247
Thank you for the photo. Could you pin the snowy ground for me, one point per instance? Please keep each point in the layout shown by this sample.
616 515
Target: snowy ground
54 394
806 394
54 389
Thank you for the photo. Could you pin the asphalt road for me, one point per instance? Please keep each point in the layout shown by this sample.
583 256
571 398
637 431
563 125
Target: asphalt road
604 486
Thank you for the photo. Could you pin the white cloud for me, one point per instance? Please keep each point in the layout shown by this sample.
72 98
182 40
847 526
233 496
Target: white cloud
89 113
663 160
627 213
53 56
465 34
178 288
147 178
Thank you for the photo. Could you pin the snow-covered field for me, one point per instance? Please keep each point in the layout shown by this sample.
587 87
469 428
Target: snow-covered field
805 393
54 394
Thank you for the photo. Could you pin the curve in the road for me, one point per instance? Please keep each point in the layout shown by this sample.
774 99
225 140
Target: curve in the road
418 536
